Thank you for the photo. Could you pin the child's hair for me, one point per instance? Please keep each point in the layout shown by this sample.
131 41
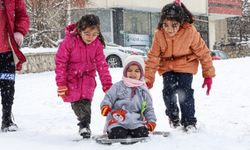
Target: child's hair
175 11
90 21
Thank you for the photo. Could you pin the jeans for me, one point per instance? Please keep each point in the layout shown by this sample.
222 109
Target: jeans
7 82
177 87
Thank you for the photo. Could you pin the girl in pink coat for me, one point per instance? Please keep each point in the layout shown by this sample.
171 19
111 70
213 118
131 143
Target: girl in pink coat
78 58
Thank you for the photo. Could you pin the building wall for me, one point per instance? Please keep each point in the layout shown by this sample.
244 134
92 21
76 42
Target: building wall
218 10
221 34
211 26
228 7
140 17
149 5
132 28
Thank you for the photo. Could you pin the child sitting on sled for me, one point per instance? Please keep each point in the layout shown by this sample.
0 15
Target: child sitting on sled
128 104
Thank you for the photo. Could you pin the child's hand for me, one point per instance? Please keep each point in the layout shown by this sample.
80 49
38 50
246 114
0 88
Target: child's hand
18 38
150 126
207 82
149 84
105 110
62 91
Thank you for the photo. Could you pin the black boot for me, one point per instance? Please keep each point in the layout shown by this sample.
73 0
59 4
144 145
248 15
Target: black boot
7 123
174 123
84 130
190 128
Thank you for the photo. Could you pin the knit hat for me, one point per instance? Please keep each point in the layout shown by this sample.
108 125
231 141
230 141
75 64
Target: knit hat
134 60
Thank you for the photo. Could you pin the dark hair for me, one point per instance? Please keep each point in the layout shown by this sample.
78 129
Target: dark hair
177 12
90 21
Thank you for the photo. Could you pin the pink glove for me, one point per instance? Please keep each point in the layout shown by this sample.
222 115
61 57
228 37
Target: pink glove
207 82
18 38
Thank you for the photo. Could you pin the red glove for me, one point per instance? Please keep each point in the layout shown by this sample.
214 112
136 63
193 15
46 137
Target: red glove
207 82
105 110
151 126
62 91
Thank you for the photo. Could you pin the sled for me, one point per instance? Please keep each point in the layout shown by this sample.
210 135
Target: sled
103 139
163 133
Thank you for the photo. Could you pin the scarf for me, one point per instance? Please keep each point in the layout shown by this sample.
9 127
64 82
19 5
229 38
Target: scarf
133 84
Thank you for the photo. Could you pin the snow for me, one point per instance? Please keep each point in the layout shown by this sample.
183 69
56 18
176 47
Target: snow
45 122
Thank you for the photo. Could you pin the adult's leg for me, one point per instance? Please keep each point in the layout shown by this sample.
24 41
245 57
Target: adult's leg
7 83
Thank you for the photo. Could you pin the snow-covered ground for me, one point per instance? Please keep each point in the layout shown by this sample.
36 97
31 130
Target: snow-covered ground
47 123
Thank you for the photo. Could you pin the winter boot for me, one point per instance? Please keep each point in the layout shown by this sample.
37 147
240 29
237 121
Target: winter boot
9 127
175 123
190 128
7 123
84 131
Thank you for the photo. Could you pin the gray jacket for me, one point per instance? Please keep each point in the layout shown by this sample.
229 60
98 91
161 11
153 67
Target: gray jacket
127 111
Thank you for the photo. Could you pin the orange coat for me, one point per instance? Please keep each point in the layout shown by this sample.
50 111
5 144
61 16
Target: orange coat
180 53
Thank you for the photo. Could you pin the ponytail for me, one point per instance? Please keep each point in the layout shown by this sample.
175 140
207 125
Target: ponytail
188 16
101 38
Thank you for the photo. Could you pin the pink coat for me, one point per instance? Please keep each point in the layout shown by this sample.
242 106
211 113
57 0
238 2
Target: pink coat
76 66
18 21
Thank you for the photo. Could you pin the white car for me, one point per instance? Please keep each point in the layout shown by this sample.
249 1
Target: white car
116 54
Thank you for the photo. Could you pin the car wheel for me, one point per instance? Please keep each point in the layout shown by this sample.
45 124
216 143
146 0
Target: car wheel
114 61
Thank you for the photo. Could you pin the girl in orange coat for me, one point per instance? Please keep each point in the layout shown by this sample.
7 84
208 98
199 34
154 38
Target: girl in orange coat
176 51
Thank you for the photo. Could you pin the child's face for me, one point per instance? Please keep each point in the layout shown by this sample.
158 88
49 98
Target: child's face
134 72
89 35
171 27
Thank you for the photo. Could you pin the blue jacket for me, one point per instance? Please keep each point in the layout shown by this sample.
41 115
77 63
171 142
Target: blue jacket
127 111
